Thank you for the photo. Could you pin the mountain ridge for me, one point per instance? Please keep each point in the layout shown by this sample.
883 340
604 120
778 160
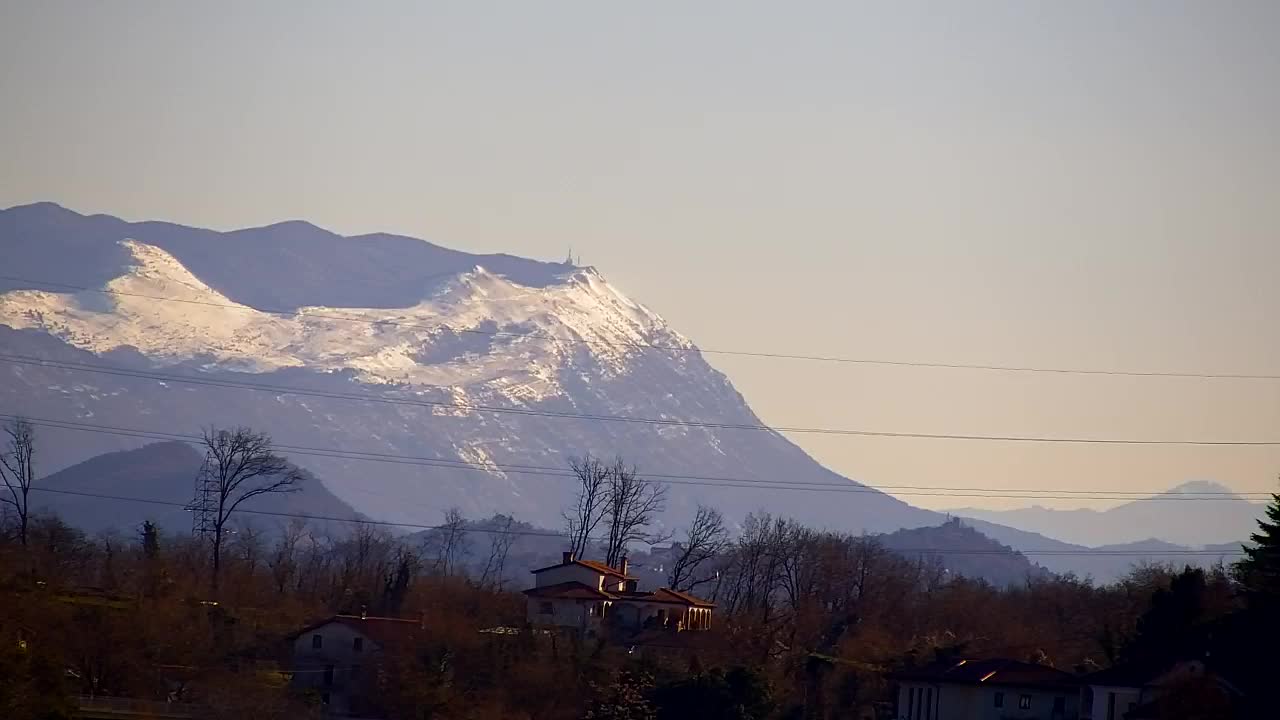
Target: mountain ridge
379 270
551 338
1213 518
162 475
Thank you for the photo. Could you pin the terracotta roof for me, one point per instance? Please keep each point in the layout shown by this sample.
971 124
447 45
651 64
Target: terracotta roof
685 597
572 590
993 672
591 565
382 630
665 595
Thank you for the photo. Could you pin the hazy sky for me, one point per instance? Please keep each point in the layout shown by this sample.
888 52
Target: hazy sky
1072 184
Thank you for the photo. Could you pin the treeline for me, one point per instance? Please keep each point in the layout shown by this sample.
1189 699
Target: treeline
804 616
809 623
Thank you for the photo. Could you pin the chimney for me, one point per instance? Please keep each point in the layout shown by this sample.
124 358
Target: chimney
568 557
625 565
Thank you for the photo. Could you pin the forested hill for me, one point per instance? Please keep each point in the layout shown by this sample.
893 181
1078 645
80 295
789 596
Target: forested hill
159 479
961 550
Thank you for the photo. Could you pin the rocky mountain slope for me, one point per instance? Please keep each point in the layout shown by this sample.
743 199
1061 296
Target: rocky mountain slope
397 344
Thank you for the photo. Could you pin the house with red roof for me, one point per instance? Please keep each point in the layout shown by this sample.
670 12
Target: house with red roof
589 597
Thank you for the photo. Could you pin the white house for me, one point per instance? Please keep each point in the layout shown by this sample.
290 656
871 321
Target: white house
1111 693
588 596
987 690
1133 692
336 658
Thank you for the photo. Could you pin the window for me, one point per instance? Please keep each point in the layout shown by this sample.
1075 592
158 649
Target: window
355 672
357 644
546 609
911 702
999 699
928 705
328 675
1024 702
317 642
324 699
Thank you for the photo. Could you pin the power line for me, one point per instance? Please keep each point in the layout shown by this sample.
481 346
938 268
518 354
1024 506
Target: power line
665 348
548 533
665 422
669 479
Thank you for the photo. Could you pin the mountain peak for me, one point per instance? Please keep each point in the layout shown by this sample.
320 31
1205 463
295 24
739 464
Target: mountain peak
288 229
39 206
44 211
1200 487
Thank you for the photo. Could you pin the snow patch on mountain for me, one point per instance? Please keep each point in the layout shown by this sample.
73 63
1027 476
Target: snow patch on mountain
434 331
479 331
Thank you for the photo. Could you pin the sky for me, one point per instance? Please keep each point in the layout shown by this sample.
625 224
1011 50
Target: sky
1084 185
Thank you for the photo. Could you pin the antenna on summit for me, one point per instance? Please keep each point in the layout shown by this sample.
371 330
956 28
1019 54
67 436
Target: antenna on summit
569 260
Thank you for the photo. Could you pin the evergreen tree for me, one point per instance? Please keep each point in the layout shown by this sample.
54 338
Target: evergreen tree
150 536
1259 571
1173 626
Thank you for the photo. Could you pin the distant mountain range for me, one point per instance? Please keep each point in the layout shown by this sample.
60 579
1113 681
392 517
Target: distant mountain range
159 477
1104 563
1215 516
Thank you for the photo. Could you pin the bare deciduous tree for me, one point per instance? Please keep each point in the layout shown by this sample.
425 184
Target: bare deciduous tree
755 574
588 509
18 469
283 562
242 465
398 580
451 543
501 538
247 545
705 541
631 505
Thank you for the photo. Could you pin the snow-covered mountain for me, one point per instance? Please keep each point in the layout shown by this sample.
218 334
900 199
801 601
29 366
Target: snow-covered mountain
427 333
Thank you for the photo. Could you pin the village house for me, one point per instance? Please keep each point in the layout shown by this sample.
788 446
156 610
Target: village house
987 690
590 597
1137 692
337 658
